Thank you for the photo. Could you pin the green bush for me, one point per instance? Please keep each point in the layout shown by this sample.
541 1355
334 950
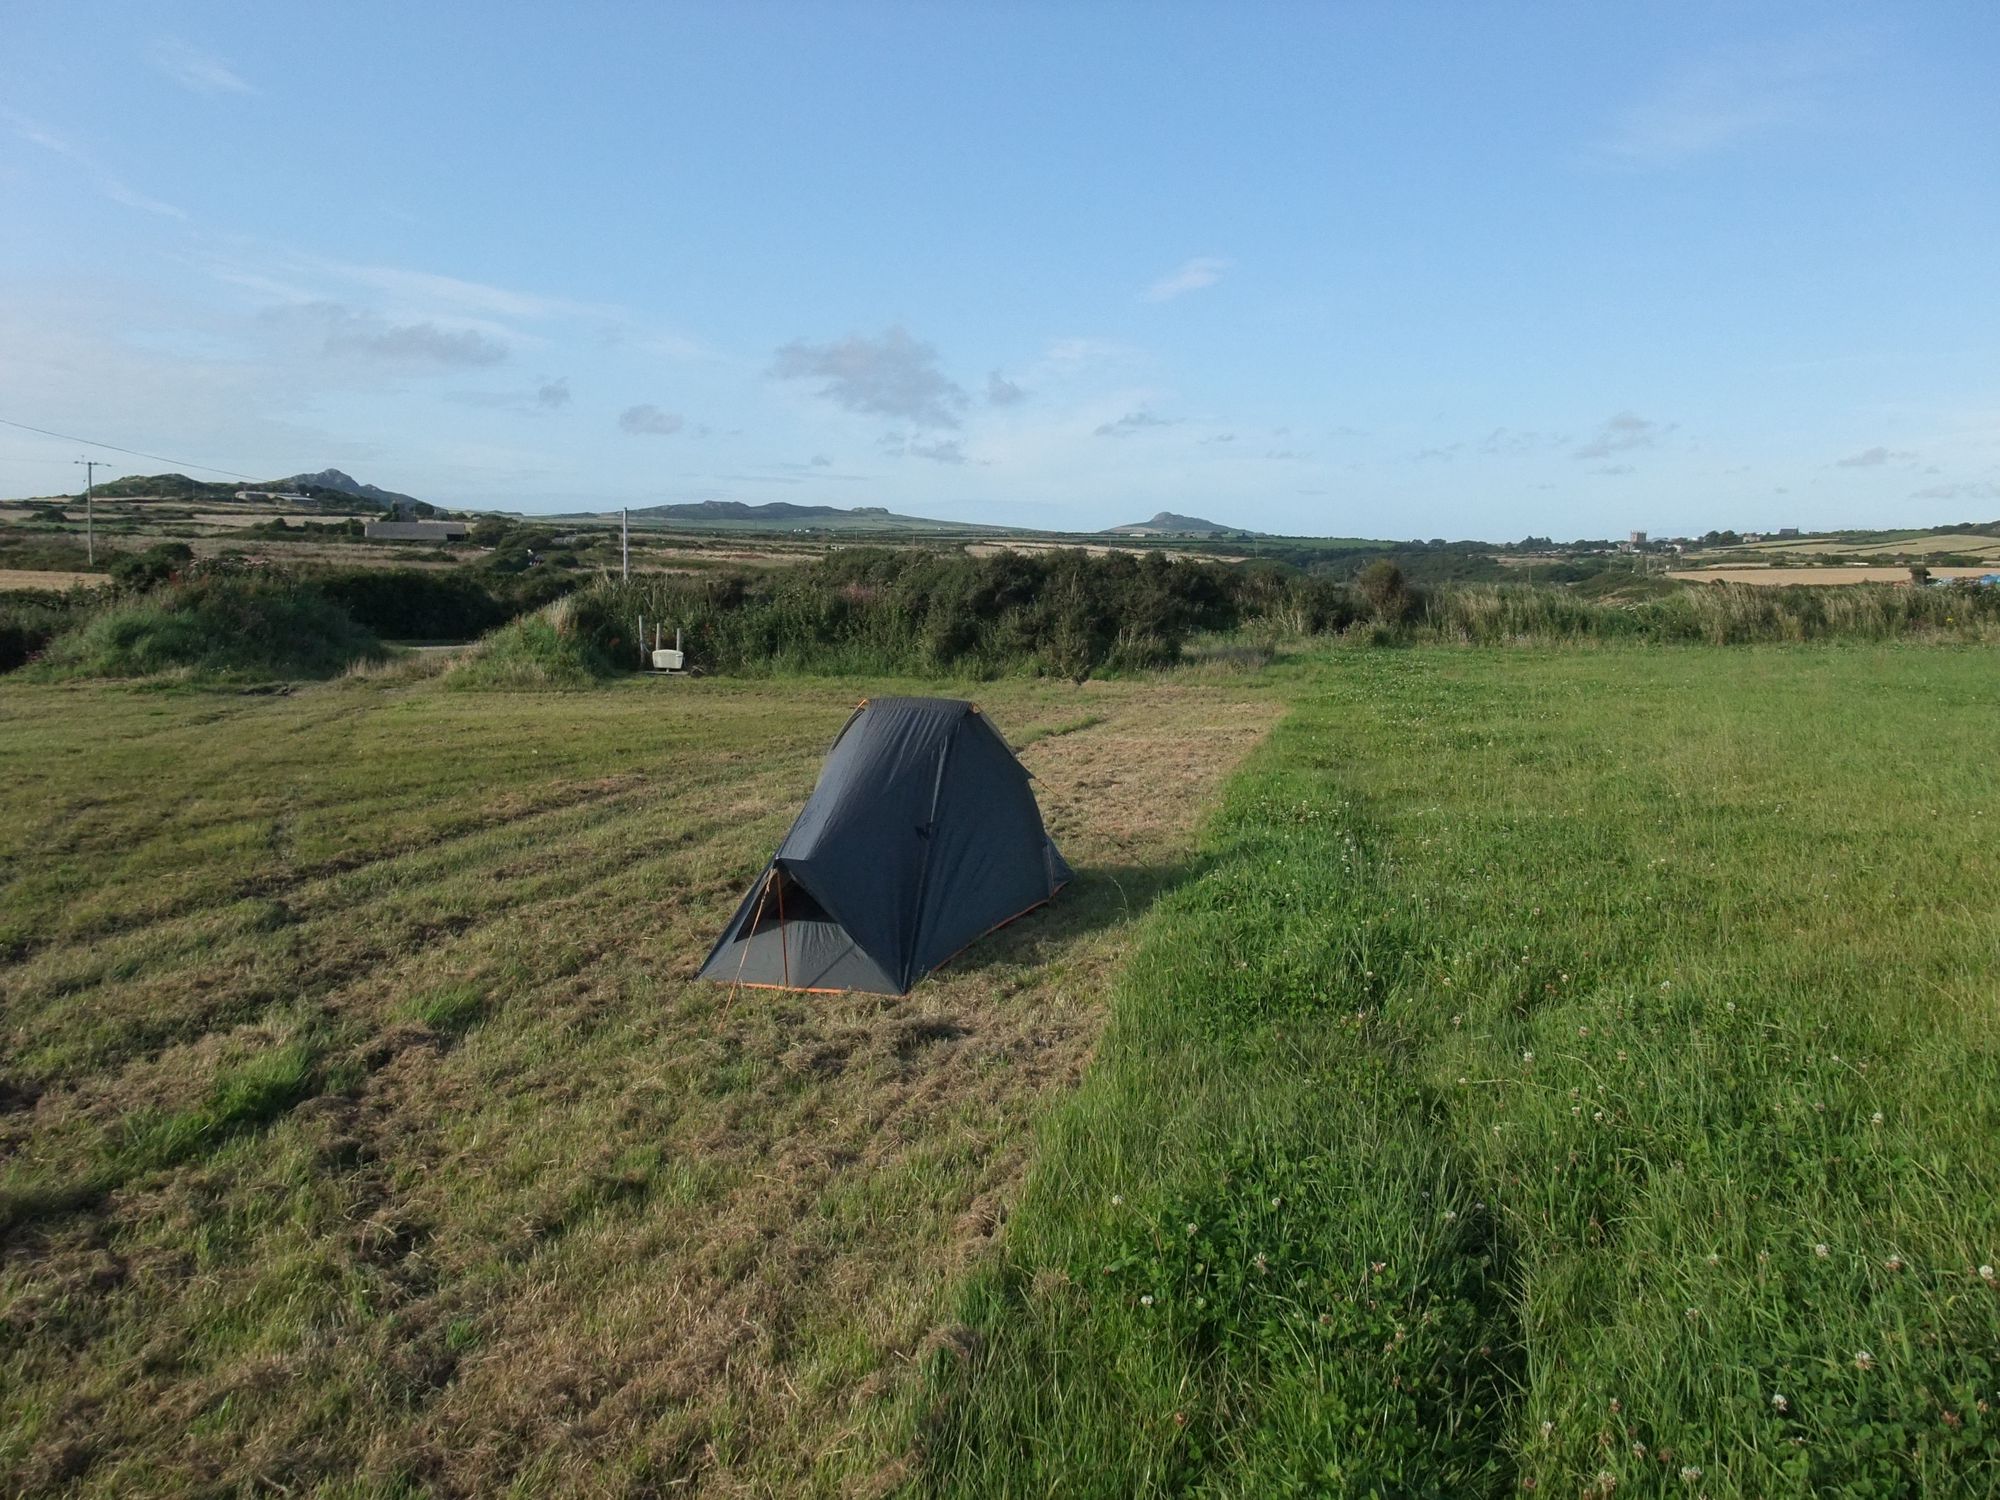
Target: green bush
874 609
424 603
154 566
225 625
31 618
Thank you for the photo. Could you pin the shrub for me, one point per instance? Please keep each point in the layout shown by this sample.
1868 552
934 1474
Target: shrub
1388 595
30 619
154 566
228 625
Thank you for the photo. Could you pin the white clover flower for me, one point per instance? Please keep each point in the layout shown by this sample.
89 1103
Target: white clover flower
1876 1118
1821 1250
1689 1474
1116 1199
1778 1401
1863 1360
1547 1428
1147 1300
1193 1229
1894 1262
1527 1057
1986 1273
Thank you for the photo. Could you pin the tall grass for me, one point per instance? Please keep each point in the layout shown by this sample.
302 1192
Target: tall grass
539 651
1721 614
1067 614
1531 1096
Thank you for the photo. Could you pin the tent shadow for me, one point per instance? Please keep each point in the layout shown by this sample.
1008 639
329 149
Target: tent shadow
1100 897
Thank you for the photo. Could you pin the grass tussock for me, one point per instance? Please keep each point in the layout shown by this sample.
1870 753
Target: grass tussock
548 650
225 627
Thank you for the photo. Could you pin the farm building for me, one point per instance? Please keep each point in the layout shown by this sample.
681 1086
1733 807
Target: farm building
417 531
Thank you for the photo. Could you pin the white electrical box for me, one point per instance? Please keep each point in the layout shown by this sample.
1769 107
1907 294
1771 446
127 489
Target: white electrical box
669 661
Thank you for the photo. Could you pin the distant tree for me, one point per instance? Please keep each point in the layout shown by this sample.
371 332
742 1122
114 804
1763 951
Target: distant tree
1920 575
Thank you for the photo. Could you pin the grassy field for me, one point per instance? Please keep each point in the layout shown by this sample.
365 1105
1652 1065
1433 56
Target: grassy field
1570 1074
363 1133
1567 1071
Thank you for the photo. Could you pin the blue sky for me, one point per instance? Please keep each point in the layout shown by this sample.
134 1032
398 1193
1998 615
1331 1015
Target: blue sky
1379 270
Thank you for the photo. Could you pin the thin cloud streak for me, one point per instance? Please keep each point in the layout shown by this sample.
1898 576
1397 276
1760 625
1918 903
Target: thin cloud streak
196 70
1189 276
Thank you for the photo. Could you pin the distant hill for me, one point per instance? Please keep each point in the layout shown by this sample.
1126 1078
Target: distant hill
778 515
346 484
1166 523
164 486
326 485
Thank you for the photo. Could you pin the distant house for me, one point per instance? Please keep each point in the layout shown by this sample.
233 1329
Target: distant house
417 531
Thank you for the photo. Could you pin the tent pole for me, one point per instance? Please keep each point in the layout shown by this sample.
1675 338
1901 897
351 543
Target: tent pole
737 983
784 946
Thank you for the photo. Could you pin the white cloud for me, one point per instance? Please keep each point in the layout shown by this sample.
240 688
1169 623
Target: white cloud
1624 433
1874 458
891 376
1190 276
1134 421
343 332
1732 96
197 70
1972 490
1000 391
108 183
649 421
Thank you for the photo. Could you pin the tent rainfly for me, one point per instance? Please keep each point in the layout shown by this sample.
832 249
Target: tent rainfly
921 836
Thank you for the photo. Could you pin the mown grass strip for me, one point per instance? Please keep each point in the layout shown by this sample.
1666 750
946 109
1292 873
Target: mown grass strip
1564 1075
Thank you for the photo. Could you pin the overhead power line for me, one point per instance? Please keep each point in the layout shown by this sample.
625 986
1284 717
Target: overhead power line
178 463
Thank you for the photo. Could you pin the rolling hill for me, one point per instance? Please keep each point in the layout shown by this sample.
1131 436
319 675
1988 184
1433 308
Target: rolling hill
779 515
1167 523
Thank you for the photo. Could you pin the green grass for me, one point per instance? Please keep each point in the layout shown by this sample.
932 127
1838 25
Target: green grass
534 653
1570 1073
363 1130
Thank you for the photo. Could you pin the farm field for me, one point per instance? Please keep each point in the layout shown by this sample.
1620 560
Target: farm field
362 1132
1776 576
50 579
1518 1069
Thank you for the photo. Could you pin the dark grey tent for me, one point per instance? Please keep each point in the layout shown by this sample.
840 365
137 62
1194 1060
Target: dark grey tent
921 836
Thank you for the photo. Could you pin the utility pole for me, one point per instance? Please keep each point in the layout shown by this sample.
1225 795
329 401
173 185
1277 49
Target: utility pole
90 468
625 543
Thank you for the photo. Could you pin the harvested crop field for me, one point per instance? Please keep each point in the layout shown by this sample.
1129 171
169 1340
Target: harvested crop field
361 1126
1773 577
53 581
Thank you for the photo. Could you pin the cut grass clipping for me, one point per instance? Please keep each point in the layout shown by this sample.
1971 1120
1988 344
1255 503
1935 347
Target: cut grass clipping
1571 1074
